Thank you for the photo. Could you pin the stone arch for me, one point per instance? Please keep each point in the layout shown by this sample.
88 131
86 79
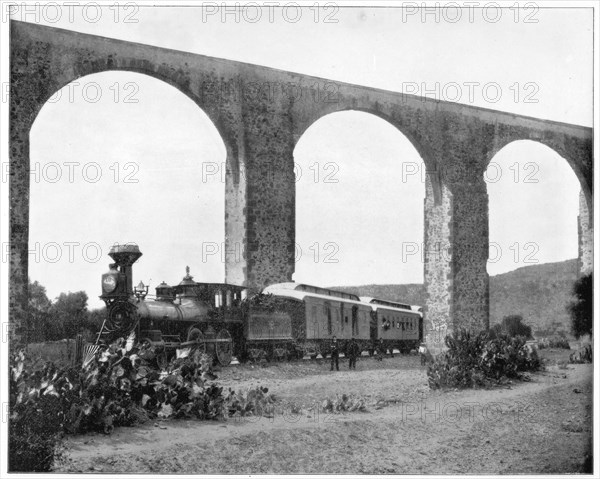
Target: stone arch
425 152
574 154
171 149
31 88
170 77
385 170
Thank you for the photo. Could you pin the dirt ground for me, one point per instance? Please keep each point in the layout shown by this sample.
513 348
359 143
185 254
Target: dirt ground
537 427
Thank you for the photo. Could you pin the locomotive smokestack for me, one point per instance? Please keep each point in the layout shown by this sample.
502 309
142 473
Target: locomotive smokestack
124 256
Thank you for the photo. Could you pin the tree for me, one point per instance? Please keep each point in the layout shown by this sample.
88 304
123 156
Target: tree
69 314
580 309
495 331
94 322
512 326
39 307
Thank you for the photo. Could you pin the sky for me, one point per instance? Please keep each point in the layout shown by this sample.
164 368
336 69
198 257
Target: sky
129 148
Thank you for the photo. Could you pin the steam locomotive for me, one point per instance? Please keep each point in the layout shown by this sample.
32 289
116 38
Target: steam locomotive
285 321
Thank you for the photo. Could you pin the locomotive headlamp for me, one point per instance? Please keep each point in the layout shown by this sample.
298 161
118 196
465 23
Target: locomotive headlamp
140 290
109 283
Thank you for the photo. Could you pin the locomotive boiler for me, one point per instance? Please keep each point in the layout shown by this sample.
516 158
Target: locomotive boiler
206 316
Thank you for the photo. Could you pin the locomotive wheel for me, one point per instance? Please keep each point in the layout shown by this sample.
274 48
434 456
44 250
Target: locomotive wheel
194 334
224 347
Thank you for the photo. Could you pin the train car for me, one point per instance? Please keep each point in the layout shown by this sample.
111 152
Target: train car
306 320
398 325
208 316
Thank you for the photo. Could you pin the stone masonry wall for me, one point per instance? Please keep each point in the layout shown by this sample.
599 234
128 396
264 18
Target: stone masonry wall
586 237
437 268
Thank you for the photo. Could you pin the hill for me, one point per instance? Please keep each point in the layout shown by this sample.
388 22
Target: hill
539 293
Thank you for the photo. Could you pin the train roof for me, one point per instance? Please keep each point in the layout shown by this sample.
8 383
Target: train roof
307 288
385 302
376 302
300 291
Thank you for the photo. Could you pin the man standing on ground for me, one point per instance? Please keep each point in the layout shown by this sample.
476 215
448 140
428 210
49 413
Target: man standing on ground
335 354
353 352
423 353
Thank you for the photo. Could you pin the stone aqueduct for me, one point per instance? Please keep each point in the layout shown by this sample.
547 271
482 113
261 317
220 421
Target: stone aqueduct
260 129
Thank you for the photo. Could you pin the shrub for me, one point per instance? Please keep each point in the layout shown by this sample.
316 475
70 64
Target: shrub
508 357
115 387
555 342
33 446
580 309
344 403
34 428
495 331
455 367
512 326
476 360
584 355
